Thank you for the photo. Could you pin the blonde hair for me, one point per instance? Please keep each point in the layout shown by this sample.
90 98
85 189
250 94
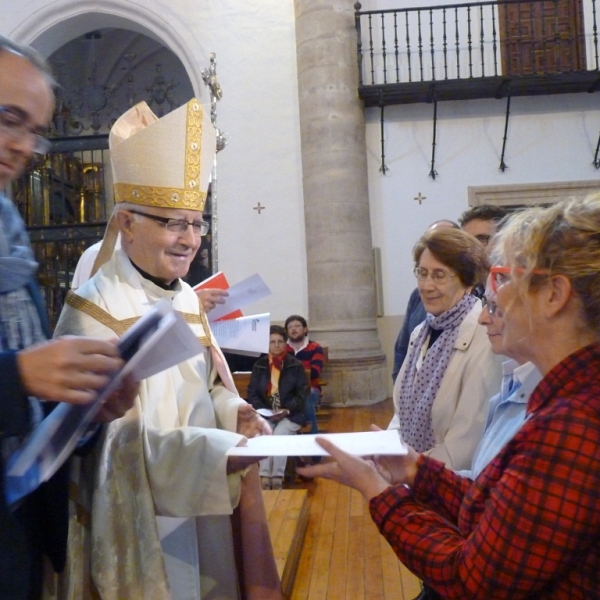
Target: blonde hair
563 239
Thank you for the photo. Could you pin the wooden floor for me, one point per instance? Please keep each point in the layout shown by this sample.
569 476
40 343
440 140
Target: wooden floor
343 556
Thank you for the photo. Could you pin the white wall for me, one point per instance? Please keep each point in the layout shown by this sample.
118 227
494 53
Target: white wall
550 139
256 61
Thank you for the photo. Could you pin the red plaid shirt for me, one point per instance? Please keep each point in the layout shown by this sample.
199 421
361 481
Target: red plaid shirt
529 525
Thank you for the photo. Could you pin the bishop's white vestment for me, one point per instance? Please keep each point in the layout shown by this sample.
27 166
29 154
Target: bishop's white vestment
153 499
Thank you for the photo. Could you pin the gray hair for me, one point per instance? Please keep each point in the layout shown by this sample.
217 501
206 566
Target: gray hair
30 55
129 206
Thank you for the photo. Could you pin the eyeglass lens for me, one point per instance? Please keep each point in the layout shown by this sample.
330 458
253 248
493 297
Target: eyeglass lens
14 125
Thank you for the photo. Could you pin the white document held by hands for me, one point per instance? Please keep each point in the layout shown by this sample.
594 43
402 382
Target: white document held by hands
359 444
247 335
241 294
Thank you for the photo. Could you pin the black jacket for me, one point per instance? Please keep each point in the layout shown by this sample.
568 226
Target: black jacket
40 523
293 387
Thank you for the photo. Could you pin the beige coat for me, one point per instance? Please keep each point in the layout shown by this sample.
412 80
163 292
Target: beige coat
460 407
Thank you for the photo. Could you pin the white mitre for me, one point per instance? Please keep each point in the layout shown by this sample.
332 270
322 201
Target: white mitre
163 162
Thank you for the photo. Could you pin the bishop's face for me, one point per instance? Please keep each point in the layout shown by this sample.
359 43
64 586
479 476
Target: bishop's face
155 249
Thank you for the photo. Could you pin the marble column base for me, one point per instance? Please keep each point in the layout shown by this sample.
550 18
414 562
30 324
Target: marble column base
355 381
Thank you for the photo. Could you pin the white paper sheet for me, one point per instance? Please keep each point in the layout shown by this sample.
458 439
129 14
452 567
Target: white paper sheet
249 335
360 444
241 294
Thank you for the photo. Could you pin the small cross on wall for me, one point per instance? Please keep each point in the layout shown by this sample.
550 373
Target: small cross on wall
258 207
420 198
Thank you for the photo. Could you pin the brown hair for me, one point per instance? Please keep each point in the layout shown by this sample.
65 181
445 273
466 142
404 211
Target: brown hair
561 239
457 250
279 330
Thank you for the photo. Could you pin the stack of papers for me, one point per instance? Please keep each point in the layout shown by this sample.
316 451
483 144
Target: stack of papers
248 335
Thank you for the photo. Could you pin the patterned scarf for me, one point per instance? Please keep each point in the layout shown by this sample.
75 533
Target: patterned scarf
20 325
17 264
275 365
420 386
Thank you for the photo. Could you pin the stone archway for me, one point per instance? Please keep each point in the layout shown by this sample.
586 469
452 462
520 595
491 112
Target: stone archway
55 23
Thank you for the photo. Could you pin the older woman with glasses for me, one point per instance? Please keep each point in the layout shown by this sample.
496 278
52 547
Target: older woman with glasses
529 525
442 391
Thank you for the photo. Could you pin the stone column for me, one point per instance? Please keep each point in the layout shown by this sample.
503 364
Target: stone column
341 280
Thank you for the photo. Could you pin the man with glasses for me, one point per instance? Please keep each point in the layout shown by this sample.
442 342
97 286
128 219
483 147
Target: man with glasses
209 297
162 486
32 369
481 222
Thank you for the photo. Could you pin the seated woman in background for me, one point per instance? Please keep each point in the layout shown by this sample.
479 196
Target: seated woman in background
529 525
442 391
278 385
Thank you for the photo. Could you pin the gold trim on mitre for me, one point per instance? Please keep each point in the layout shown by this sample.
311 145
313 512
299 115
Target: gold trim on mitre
160 197
192 195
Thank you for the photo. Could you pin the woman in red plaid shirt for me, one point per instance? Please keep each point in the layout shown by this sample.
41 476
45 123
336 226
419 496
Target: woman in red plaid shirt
529 525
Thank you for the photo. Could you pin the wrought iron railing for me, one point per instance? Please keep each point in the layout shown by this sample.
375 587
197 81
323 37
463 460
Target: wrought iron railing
477 40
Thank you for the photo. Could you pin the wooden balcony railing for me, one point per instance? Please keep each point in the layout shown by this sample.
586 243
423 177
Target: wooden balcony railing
477 50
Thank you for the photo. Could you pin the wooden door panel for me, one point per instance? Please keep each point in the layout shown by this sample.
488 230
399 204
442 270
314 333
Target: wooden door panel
541 37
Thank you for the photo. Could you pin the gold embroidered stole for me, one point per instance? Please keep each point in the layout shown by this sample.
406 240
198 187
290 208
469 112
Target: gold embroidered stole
121 326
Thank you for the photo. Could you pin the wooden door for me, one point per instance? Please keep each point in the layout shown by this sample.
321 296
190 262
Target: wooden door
541 37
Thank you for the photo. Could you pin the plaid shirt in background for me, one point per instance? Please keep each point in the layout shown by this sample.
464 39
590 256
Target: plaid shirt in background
311 356
529 525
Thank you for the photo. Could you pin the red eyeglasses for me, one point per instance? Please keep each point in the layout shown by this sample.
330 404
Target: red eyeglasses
501 275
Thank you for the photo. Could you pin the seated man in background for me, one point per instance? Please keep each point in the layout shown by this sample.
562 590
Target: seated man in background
161 488
310 354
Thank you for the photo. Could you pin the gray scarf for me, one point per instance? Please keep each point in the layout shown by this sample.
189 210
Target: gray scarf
419 387
17 264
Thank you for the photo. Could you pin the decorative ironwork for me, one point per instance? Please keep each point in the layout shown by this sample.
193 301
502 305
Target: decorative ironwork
433 173
503 165
209 76
384 168
63 200
542 45
596 162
